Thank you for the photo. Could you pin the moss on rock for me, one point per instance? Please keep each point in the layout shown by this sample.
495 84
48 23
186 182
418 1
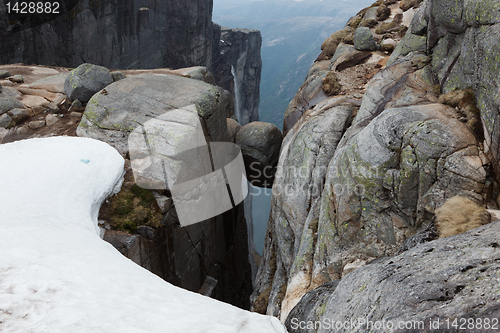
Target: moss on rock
331 84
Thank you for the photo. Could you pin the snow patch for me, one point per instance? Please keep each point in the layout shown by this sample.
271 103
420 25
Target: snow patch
57 275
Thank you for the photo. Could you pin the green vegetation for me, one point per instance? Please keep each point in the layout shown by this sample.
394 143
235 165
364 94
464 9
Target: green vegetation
331 84
131 207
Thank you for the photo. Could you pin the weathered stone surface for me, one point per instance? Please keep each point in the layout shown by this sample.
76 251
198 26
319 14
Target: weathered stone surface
198 73
19 115
16 78
363 40
35 124
9 103
5 120
85 80
453 277
411 43
305 154
4 74
133 101
260 145
54 83
370 18
346 56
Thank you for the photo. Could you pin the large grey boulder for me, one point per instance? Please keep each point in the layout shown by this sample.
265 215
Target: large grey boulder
363 40
85 80
453 277
133 101
260 145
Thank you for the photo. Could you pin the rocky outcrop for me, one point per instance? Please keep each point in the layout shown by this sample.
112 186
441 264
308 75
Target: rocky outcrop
374 172
85 80
431 284
238 70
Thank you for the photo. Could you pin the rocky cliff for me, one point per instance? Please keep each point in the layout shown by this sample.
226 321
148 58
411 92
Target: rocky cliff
136 34
374 144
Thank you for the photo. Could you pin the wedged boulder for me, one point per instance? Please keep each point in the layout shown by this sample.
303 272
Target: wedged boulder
85 80
133 101
435 282
233 127
260 145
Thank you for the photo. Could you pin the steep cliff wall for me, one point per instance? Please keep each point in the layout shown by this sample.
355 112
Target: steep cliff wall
238 70
111 33
364 168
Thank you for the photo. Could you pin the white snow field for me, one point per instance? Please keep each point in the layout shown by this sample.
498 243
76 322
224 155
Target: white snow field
58 275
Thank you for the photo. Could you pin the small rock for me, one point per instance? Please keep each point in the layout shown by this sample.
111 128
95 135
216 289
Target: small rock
76 106
5 120
7 83
75 116
388 45
36 124
19 115
3 133
117 76
53 108
4 74
164 202
51 119
16 78
70 123
363 40
37 110
22 130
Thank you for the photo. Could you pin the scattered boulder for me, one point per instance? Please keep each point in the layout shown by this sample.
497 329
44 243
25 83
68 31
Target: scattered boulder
76 106
393 26
86 80
35 124
370 18
198 73
260 145
407 4
5 120
117 76
16 79
383 12
51 119
9 103
363 40
388 45
330 44
348 56
19 115
4 74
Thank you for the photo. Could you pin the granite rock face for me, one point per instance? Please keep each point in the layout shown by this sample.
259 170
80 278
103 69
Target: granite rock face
453 277
391 161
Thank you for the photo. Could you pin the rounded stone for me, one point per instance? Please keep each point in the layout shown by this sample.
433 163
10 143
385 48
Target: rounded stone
363 40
